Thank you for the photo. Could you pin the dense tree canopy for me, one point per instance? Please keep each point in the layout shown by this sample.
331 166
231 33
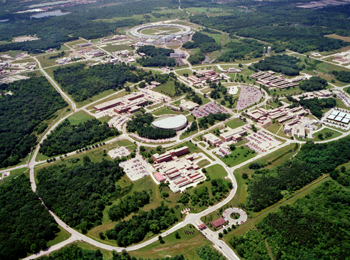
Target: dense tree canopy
211 118
311 161
208 253
142 125
135 229
239 50
311 228
67 137
128 204
32 102
25 225
317 105
157 57
284 64
78 194
313 84
343 76
202 41
84 82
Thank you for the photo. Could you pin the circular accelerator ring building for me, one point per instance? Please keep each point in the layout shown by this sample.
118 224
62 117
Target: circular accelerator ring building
185 30
170 122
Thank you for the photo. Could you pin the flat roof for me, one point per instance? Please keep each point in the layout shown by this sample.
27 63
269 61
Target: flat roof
331 117
335 112
338 118
159 176
345 120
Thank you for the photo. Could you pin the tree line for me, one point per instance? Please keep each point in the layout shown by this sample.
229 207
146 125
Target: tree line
158 57
142 124
32 102
313 84
26 226
284 64
82 82
202 41
313 227
135 229
128 204
211 118
67 137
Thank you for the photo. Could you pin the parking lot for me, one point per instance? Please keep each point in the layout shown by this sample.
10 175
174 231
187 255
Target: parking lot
136 168
119 152
207 109
248 96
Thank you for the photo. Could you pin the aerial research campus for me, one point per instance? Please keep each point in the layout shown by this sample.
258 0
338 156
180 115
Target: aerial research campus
162 132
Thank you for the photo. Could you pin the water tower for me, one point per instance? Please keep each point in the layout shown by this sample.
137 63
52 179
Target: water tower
268 50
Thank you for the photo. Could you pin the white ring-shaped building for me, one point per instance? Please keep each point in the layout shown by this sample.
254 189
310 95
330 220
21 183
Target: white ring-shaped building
176 123
136 31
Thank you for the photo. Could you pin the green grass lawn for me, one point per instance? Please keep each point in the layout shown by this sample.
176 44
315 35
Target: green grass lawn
166 111
323 132
45 60
187 245
79 117
239 155
168 88
113 48
60 236
234 123
181 72
203 163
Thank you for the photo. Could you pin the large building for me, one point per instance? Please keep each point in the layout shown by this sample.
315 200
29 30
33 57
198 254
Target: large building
168 156
212 139
176 123
124 104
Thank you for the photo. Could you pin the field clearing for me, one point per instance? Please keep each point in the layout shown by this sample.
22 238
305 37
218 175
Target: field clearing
168 111
181 72
239 155
323 132
60 236
79 117
14 174
234 123
113 48
45 60
203 163
338 37
168 88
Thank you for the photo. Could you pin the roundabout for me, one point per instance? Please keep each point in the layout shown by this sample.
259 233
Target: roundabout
234 211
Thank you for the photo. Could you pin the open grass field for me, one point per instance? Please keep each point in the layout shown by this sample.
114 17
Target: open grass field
167 88
335 36
60 236
333 133
239 155
161 30
181 72
203 163
45 60
79 117
234 123
13 174
168 111
113 48
23 61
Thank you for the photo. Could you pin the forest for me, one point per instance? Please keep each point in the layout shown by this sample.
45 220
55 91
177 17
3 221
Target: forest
208 253
142 124
343 76
22 113
317 105
78 194
158 57
281 23
204 42
67 138
311 162
128 204
84 21
196 58
83 82
25 225
313 84
313 227
135 229
74 252
239 50
284 64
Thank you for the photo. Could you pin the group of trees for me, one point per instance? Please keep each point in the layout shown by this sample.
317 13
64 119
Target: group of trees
316 105
204 42
211 118
78 194
22 113
158 57
208 253
196 58
343 76
128 204
313 84
135 229
83 82
142 124
311 228
67 137
284 64
25 225
240 50
311 161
